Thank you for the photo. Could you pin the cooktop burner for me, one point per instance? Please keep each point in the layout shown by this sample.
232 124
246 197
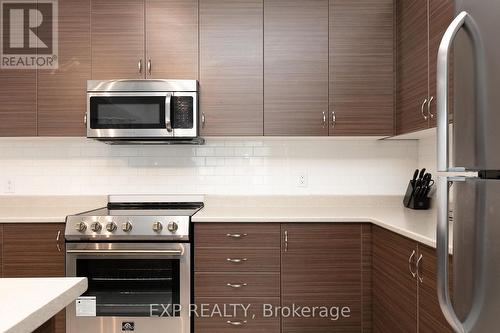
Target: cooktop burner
136 218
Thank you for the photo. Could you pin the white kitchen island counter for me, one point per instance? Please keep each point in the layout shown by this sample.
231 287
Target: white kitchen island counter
27 303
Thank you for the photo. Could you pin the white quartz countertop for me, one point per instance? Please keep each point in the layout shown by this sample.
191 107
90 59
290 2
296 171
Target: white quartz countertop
45 209
27 303
386 212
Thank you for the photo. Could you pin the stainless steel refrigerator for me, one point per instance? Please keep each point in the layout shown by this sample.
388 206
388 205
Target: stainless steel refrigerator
469 127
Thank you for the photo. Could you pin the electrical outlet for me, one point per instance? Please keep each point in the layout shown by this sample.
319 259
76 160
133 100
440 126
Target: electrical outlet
302 179
10 186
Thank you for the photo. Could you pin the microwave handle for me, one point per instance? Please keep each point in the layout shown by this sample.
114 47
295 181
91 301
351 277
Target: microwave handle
168 111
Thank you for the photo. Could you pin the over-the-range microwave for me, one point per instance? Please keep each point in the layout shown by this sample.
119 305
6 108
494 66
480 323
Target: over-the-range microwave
143 111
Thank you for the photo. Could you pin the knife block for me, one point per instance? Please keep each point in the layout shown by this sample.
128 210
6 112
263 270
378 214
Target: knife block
410 201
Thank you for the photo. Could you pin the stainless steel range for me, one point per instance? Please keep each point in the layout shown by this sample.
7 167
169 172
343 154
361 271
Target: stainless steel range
136 254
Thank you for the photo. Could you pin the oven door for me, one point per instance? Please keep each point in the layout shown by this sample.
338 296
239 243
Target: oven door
129 115
131 287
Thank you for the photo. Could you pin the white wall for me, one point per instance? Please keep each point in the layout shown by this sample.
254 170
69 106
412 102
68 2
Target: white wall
222 166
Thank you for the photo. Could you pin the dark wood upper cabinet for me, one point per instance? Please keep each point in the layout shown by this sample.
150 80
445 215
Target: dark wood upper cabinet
361 67
412 66
441 14
231 67
321 265
172 39
61 94
296 67
394 287
420 27
35 250
117 39
18 102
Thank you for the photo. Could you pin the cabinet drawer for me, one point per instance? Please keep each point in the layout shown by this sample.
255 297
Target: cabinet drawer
237 235
237 284
248 324
237 260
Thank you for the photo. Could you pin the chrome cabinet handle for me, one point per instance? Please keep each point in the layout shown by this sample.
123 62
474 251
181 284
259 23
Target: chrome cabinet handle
149 66
236 235
57 240
422 109
236 260
236 285
203 119
237 323
333 119
85 119
286 241
410 260
324 119
139 65
429 111
418 268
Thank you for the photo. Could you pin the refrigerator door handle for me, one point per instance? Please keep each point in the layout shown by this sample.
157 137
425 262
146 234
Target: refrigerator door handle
443 89
442 247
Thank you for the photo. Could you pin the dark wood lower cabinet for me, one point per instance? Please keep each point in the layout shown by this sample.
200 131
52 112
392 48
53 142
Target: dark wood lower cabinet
394 287
403 302
322 266
35 250
430 317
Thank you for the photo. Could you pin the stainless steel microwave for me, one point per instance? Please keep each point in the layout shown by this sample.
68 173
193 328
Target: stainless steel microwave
143 111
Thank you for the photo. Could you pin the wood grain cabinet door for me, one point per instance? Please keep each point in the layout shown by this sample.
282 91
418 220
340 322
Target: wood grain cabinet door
321 265
17 102
394 287
117 33
172 39
412 65
441 13
231 67
35 250
296 67
61 93
430 316
361 67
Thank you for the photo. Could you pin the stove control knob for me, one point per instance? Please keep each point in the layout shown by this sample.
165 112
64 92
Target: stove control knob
157 227
111 226
127 226
81 226
96 227
172 226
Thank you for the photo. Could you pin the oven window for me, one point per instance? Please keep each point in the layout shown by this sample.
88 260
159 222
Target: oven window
127 112
129 287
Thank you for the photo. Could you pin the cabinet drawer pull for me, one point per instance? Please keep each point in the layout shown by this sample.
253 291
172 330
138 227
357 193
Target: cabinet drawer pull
236 235
236 260
421 279
236 285
286 241
237 323
410 259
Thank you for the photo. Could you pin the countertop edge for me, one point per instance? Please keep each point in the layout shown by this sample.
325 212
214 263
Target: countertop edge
47 311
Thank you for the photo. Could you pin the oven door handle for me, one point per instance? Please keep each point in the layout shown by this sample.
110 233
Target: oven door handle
170 252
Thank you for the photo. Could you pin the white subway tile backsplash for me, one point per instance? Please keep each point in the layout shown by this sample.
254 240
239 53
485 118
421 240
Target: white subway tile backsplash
221 166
